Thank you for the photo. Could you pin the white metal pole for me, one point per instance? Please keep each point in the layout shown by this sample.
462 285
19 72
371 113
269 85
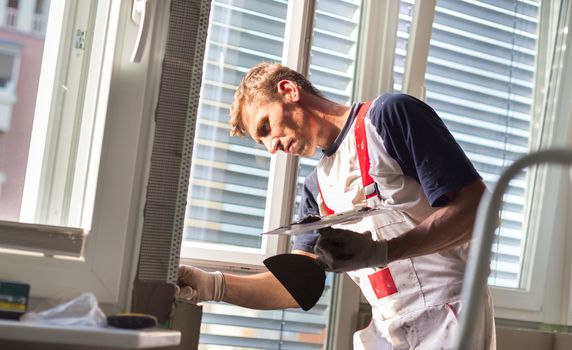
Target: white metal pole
477 269
418 48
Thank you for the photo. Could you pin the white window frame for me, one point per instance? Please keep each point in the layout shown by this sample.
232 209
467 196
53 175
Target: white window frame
61 91
124 89
282 174
418 48
376 52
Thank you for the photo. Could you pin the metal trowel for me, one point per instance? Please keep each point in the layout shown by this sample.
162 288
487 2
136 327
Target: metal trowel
301 275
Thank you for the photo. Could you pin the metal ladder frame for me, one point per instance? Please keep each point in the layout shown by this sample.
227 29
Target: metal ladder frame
476 272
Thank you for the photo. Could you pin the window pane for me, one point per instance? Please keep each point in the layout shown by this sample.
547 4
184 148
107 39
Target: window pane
21 50
229 175
480 80
7 66
49 154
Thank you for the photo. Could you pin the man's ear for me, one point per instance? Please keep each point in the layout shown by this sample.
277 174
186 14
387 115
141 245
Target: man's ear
288 90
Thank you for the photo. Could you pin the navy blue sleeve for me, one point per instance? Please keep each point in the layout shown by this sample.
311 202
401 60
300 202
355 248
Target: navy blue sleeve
419 141
308 206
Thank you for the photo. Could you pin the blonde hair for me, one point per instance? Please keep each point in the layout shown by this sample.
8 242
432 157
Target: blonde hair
260 84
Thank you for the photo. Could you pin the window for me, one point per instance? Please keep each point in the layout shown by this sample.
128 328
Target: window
72 186
480 79
41 16
229 175
9 69
54 139
99 193
229 182
56 191
486 77
20 61
12 13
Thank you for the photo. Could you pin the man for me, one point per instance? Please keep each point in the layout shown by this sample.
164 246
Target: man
394 152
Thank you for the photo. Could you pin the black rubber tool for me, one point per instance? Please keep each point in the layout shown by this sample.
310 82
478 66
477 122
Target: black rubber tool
302 277
132 321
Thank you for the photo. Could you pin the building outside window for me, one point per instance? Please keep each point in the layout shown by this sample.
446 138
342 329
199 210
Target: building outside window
20 63
68 86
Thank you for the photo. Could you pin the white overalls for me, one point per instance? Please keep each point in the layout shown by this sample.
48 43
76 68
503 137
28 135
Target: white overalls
415 302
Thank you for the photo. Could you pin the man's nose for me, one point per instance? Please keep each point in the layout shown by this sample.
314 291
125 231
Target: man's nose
273 144
267 142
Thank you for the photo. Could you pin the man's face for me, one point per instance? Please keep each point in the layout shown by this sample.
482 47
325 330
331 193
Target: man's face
282 126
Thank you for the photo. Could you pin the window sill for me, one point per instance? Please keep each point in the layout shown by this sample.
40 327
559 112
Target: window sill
88 336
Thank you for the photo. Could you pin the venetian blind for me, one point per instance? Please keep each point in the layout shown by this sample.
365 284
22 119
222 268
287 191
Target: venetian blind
480 79
229 175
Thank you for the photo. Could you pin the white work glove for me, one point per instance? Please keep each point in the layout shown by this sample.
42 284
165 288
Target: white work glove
342 250
196 285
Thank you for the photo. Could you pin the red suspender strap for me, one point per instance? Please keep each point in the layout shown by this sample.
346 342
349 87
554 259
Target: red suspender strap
369 186
381 281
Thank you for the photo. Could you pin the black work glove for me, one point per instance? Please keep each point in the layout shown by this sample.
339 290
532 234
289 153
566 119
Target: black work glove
342 250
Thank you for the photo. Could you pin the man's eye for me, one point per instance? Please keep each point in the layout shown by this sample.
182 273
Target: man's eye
265 129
